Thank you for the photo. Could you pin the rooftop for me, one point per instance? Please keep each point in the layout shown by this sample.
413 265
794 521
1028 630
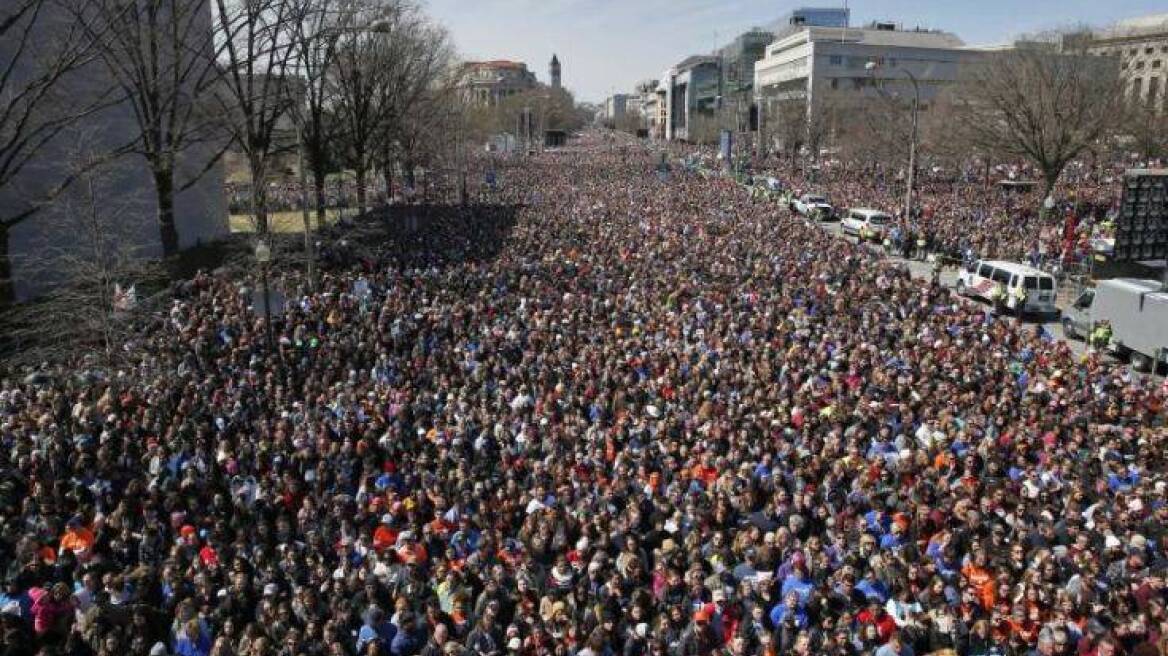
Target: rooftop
693 61
1141 26
497 63
914 38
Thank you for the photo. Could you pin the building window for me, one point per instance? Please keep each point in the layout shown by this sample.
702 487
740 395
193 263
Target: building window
836 60
1156 63
1139 65
1153 92
1137 88
1148 51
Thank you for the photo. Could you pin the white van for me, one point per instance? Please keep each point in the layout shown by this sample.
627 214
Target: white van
862 220
980 278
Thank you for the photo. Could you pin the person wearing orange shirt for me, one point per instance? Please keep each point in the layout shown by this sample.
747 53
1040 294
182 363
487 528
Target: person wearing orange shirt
77 538
409 550
384 536
979 578
705 471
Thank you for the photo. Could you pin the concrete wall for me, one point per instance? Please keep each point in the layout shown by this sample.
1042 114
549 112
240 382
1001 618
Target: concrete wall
1143 64
799 68
842 66
126 208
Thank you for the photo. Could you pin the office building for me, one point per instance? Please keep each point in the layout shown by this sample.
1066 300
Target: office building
813 61
615 106
490 82
811 17
1141 45
692 95
656 107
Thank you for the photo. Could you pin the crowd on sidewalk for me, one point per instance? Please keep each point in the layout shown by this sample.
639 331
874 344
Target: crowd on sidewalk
615 414
961 215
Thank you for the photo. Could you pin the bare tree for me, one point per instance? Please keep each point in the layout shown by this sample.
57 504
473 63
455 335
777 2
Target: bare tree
1145 129
704 127
785 124
359 80
417 93
257 39
1038 104
870 129
796 130
431 130
321 27
161 56
550 108
97 277
629 122
33 110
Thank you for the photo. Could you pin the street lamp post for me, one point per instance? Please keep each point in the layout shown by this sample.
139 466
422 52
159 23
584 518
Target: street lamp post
460 154
263 255
912 144
309 250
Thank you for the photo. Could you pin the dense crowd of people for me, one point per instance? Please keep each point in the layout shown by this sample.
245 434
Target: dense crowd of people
615 413
286 196
974 212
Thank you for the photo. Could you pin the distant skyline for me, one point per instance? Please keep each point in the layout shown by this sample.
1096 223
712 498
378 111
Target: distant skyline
607 46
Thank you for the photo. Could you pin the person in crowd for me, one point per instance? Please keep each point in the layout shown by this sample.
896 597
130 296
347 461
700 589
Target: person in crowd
601 412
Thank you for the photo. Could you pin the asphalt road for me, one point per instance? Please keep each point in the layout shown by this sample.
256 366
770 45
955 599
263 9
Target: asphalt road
920 269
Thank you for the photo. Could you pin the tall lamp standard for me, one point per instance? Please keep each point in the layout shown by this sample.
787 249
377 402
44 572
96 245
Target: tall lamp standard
871 67
460 154
263 255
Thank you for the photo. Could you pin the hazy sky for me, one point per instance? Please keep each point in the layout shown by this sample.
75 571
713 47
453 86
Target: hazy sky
609 45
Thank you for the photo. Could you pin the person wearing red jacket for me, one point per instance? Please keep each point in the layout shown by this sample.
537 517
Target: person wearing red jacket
52 610
875 615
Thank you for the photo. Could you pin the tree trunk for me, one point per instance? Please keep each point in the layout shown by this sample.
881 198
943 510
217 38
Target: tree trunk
387 173
259 208
259 195
7 287
318 185
360 190
164 188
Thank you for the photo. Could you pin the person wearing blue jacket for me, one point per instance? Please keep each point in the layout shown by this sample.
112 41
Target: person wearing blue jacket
789 611
376 627
409 639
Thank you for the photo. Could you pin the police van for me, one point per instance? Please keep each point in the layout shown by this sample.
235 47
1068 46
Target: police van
1009 282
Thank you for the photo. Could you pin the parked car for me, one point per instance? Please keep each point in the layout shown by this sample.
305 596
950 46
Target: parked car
986 278
1137 311
862 220
813 206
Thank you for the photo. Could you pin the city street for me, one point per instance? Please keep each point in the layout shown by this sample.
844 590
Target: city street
448 328
924 270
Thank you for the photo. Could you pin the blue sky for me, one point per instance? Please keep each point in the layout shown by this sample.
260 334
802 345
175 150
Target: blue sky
608 45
